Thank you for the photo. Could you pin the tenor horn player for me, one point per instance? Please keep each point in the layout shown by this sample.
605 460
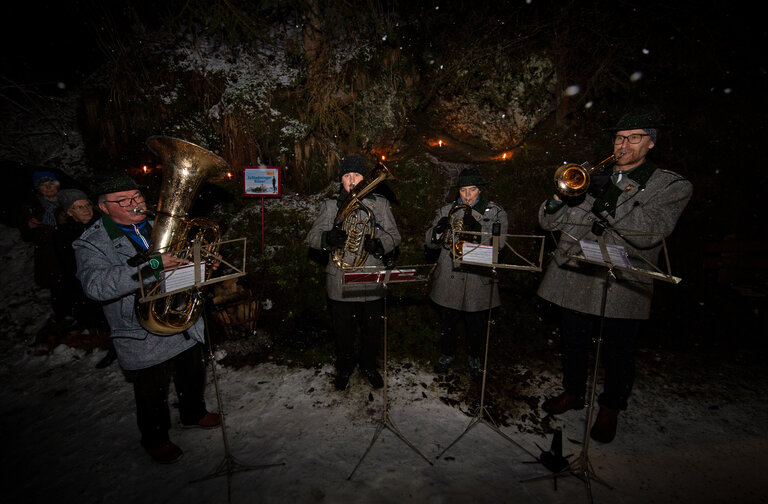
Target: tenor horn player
353 306
106 255
635 195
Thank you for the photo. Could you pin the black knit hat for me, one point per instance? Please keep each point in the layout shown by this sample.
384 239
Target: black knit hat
470 177
352 164
114 182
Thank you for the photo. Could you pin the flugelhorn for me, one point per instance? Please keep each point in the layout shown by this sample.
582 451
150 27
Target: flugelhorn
456 226
573 179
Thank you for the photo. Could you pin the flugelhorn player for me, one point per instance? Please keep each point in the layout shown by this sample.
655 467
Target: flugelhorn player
464 293
634 195
357 229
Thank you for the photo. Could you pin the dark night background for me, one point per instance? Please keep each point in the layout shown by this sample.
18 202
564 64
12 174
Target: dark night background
701 357
702 63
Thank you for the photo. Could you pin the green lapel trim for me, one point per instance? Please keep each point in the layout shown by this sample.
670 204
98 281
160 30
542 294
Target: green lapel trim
113 231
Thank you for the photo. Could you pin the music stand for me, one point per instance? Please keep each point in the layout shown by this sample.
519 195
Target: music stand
229 464
487 255
611 257
367 275
191 277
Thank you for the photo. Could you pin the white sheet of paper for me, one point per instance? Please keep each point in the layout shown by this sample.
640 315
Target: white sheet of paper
616 253
182 277
478 254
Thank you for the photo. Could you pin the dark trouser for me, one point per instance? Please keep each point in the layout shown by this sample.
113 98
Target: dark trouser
150 387
475 325
346 317
616 355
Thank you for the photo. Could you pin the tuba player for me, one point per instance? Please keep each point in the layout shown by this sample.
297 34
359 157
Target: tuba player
355 305
103 253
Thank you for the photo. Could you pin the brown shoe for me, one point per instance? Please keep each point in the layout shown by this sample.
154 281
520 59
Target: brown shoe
209 421
562 403
604 429
165 453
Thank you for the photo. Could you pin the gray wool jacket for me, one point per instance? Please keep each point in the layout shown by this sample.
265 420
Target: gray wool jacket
101 253
465 287
385 230
651 202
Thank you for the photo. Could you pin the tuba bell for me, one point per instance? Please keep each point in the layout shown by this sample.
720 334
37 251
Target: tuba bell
573 179
352 255
185 167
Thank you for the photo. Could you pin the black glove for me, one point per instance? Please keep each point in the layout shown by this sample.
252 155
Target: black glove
371 245
336 238
599 183
599 226
442 225
469 223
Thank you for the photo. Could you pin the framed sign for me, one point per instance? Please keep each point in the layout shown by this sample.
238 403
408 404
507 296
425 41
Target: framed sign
261 181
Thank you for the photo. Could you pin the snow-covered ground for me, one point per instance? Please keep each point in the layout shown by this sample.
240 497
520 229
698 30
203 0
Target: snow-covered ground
71 434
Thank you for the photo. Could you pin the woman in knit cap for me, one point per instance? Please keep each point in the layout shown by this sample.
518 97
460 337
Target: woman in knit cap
463 292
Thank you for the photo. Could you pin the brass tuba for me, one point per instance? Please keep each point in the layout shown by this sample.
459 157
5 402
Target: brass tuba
573 180
185 167
352 255
456 225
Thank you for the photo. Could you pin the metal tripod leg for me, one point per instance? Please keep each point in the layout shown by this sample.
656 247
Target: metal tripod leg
386 422
229 464
581 467
481 415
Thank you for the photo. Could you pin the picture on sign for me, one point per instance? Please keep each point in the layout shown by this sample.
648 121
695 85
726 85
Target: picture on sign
262 181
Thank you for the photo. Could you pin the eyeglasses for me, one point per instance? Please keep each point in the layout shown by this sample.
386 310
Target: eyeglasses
633 139
86 206
127 202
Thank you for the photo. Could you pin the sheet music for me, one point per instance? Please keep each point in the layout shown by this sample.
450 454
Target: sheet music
478 254
181 278
616 253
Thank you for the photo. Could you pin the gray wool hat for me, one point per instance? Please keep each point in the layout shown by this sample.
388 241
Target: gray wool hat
647 119
67 197
114 182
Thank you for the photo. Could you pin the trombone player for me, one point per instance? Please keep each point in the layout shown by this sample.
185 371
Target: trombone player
638 196
352 305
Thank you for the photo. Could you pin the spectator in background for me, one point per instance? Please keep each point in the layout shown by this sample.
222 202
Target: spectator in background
79 215
38 219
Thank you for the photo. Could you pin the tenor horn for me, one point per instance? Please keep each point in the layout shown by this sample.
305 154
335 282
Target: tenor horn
358 225
455 226
185 167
